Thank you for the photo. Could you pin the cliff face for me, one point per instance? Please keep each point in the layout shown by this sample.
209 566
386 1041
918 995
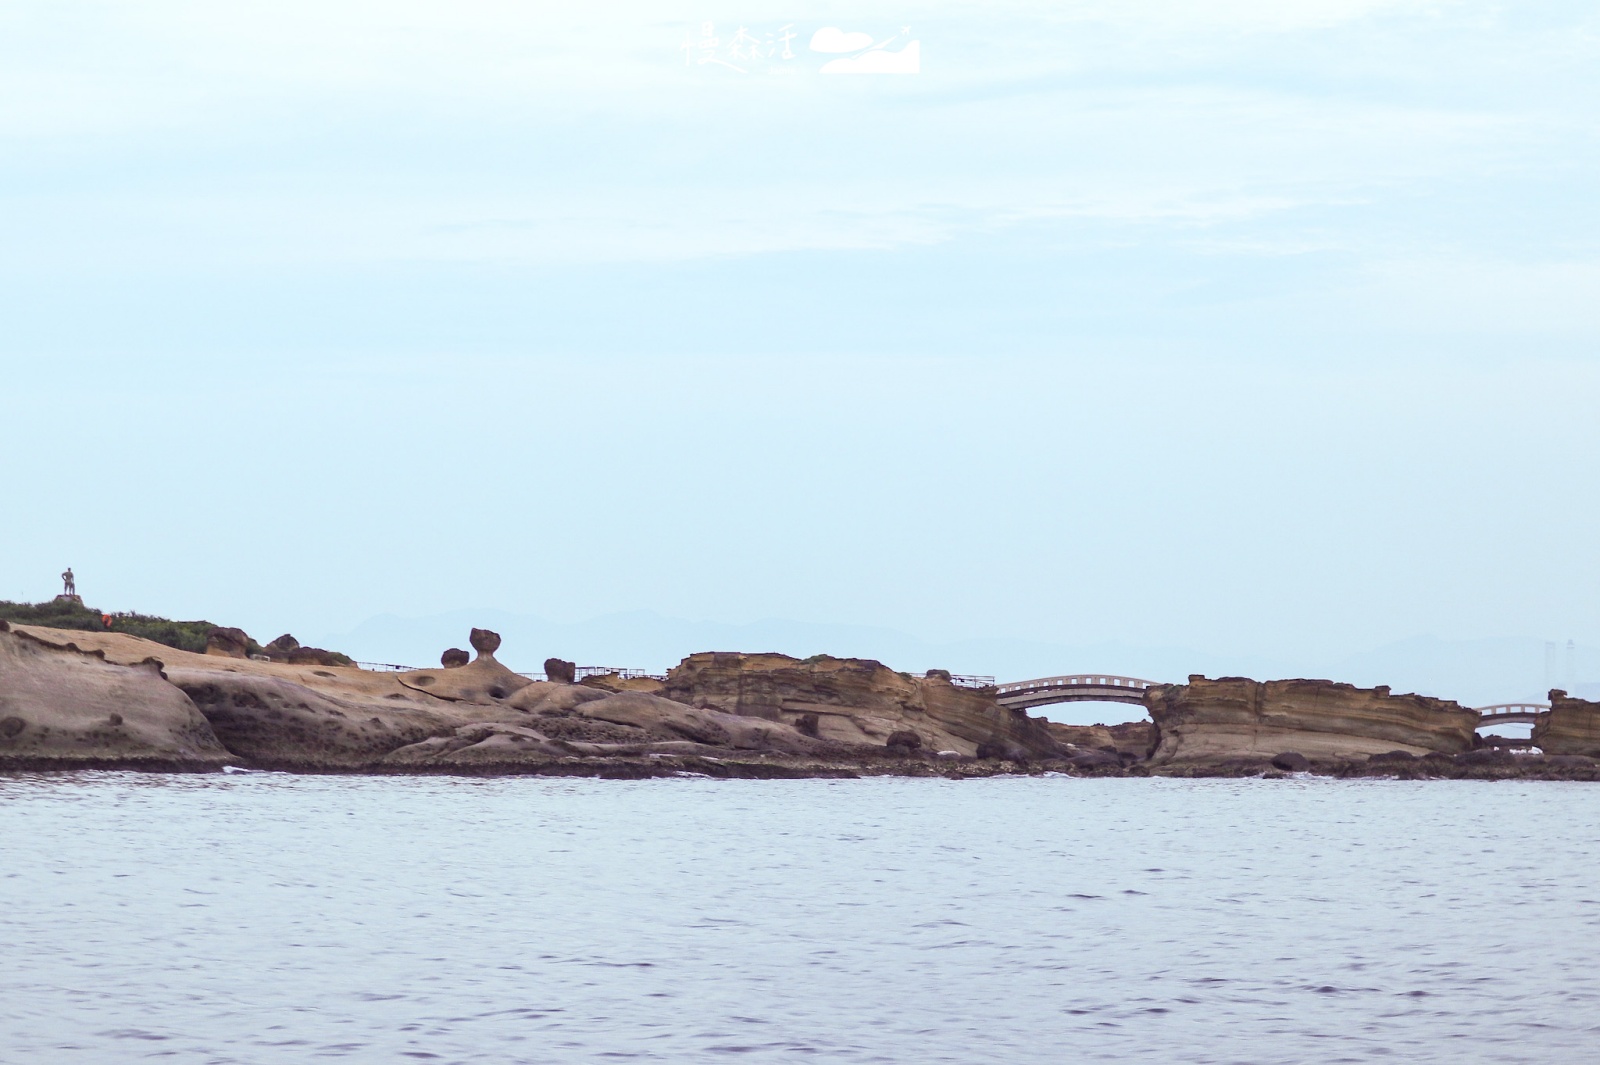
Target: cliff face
59 704
857 701
1571 726
1234 718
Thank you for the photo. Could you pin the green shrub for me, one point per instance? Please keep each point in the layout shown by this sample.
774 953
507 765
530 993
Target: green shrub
70 614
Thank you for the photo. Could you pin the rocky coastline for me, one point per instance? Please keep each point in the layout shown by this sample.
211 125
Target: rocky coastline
72 699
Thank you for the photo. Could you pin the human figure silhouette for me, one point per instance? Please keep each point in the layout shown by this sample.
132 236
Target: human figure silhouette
70 582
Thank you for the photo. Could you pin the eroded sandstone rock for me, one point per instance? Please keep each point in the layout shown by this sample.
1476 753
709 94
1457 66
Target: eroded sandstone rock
1130 738
855 701
1570 726
284 721
65 706
228 643
483 680
1235 718
454 658
485 642
560 670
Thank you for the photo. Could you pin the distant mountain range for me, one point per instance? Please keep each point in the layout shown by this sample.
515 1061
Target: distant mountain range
1474 672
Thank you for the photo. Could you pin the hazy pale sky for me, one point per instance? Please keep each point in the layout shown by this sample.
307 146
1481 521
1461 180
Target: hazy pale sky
1241 324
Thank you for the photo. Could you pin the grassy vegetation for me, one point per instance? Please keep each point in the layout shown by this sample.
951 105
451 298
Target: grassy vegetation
69 614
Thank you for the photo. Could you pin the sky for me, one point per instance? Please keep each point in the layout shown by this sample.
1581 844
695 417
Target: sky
1252 328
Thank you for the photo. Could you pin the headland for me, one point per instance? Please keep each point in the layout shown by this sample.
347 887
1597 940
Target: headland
97 697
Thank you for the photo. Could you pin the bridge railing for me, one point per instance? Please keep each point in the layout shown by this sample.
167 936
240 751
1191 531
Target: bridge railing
1077 680
579 672
616 671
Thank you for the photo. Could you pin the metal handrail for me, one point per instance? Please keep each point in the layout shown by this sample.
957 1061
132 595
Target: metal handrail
1078 680
579 672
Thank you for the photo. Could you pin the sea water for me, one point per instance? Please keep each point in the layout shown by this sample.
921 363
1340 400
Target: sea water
274 918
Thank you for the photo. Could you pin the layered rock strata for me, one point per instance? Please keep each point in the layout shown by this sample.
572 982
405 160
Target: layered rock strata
859 702
1237 718
1570 726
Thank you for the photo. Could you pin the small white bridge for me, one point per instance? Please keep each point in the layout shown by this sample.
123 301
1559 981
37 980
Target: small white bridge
1073 688
1510 713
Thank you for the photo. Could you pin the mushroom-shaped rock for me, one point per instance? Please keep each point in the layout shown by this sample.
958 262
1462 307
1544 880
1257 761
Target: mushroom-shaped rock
483 680
454 657
560 670
228 643
282 645
484 642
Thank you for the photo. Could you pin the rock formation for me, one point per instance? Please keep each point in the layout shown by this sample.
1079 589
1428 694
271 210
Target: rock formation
60 705
1570 726
311 722
228 643
287 649
560 670
482 680
454 657
856 702
1131 737
484 642
475 717
73 698
1238 718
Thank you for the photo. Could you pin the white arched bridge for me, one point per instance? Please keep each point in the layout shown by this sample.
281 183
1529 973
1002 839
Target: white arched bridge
1511 713
1109 688
1072 688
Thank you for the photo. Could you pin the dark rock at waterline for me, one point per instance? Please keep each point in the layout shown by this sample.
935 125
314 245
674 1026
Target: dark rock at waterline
1291 762
1002 750
1095 760
905 740
1485 756
1392 757
1569 760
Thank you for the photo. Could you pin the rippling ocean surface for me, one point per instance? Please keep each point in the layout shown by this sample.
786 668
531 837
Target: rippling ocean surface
275 918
